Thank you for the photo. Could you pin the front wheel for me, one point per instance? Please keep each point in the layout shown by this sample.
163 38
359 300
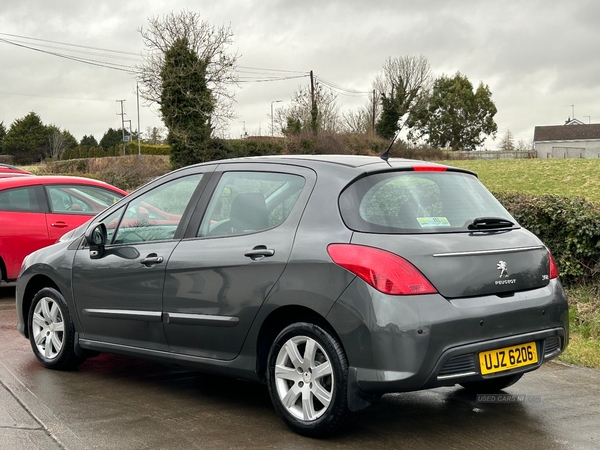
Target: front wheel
51 331
307 378
491 386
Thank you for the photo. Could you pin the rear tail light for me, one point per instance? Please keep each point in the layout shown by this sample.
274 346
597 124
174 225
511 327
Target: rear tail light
553 268
385 271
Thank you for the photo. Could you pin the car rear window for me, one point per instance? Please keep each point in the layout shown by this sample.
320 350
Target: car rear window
417 202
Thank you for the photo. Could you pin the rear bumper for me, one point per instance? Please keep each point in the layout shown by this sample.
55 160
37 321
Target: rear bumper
460 364
399 344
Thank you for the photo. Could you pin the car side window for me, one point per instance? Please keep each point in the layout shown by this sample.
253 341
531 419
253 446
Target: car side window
20 200
154 215
247 202
80 199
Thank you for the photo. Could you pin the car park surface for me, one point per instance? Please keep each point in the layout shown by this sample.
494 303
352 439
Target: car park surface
35 211
116 402
333 279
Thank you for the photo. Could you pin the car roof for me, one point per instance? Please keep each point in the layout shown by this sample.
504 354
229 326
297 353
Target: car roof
55 179
363 162
7 168
15 174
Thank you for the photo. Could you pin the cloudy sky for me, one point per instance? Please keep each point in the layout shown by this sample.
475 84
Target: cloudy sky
539 58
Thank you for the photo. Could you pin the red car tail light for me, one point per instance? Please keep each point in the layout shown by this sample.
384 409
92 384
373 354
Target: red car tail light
553 268
385 271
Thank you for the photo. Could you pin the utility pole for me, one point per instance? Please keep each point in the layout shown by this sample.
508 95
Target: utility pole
122 124
374 104
313 110
137 90
274 101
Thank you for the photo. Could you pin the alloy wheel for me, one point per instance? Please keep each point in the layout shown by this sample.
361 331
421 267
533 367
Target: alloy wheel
48 328
304 378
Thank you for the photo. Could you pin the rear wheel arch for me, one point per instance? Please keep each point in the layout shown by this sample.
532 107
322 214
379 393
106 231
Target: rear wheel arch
276 322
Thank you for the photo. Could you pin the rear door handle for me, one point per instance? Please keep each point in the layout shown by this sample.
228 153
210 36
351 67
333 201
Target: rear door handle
259 252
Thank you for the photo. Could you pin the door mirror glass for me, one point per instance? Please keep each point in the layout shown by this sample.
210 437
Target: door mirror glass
96 239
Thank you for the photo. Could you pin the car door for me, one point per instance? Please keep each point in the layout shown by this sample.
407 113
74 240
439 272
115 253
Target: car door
22 226
73 205
218 278
119 296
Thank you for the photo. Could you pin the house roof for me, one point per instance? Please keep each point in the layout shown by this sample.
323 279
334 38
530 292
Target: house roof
567 132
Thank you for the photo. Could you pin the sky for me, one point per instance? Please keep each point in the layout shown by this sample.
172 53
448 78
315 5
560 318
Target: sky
538 58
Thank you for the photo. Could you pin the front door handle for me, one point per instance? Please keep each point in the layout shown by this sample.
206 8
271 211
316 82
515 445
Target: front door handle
60 224
151 260
259 252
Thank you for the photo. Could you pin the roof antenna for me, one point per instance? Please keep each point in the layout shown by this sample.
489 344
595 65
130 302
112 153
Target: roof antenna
386 155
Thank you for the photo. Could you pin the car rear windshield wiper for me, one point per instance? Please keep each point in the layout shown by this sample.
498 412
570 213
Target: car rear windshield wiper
490 223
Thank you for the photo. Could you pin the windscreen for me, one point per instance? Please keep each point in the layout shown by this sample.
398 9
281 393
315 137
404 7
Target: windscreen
417 202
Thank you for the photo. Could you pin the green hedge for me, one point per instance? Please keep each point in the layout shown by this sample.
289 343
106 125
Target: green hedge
569 226
131 148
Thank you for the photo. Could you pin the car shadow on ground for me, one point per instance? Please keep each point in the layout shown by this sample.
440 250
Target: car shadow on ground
450 415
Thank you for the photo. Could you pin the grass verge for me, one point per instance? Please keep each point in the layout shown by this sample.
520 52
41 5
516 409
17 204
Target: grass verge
584 320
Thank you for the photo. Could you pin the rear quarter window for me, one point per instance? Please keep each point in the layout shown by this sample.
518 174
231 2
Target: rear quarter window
417 202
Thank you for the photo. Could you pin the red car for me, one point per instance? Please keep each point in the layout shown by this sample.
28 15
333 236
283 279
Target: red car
14 174
8 169
35 211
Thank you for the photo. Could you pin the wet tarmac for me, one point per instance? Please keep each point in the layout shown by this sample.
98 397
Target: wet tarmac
114 402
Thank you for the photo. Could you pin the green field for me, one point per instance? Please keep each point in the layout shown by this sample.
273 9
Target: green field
566 177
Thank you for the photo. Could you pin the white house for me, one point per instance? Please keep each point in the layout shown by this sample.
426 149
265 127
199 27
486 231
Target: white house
574 139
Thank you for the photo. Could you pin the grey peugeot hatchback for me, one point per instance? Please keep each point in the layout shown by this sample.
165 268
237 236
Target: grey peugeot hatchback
332 279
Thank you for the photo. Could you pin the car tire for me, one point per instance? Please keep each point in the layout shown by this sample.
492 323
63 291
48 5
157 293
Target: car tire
307 377
491 386
51 331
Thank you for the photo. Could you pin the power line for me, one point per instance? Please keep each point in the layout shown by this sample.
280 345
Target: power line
83 52
341 90
249 74
273 70
92 62
262 74
71 45
264 80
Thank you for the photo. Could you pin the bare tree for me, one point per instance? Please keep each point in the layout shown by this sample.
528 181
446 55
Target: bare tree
357 121
56 144
362 120
524 146
155 135
208 42
298 116
401 85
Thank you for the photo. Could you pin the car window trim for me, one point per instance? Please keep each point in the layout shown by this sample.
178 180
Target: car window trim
307 173
185 218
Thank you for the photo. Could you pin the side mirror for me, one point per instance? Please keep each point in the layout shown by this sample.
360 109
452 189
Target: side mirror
96 239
